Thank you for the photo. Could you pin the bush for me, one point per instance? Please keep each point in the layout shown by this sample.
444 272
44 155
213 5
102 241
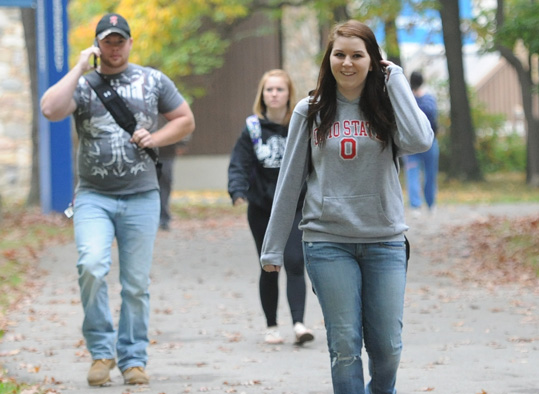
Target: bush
498 150
495 153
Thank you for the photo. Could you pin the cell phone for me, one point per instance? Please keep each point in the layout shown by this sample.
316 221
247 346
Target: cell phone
96 44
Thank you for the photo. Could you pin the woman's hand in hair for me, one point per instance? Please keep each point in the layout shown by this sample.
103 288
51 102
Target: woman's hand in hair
385 64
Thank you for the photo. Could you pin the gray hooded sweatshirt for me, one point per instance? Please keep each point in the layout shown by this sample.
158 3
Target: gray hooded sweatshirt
353 189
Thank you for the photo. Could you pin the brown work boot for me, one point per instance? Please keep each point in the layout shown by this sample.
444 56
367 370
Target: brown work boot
135 375
99 373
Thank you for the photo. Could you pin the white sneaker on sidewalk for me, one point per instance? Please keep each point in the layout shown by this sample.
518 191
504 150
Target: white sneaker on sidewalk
273 336
303 334
415 212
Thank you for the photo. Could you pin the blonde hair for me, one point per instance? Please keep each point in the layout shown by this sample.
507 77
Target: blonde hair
259 107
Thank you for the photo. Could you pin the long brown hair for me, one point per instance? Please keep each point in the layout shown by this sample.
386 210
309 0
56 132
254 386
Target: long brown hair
374 102
259 106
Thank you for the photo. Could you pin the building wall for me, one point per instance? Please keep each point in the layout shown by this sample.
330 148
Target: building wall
499 91
15 108
220 114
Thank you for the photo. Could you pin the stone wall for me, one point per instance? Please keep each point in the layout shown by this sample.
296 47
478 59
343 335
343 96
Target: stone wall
301 45
15 108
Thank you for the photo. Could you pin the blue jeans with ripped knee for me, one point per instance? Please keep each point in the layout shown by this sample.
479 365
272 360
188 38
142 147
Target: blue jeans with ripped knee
360 288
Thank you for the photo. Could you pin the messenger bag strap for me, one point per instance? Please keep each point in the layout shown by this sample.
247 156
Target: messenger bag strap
119 110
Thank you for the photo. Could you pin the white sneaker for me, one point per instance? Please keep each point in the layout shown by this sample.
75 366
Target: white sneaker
415 212
303 334
273 336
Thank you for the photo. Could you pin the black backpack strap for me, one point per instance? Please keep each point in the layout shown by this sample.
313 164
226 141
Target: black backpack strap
118 109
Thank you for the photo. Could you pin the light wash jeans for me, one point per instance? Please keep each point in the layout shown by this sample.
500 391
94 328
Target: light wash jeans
428 163
360 288
133 220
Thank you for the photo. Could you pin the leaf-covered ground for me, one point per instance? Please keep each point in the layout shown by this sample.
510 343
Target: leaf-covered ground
24 233
493 251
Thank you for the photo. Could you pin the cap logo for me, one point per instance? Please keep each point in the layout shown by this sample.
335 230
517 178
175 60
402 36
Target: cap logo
113 20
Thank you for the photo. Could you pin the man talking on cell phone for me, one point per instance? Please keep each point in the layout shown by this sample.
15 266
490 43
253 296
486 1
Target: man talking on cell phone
117 195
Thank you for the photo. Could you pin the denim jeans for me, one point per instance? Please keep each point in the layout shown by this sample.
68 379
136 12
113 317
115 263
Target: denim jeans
428 163
133 220
360 288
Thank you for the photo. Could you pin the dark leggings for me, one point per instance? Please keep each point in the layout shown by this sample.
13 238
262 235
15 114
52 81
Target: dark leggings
293 265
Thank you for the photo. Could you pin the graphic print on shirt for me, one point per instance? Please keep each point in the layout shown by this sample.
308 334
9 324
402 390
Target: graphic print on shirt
106 139
348 133
271 153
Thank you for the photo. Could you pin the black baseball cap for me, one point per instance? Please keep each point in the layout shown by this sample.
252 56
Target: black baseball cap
112 23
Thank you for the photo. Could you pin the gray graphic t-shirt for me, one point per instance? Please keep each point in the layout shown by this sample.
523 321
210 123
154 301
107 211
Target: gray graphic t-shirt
107 162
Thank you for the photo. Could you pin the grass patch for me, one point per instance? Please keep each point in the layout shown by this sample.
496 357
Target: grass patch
497 188
197 211
204 205
507 187
10 386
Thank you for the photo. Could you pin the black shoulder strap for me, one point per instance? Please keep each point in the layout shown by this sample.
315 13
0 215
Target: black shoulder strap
117 108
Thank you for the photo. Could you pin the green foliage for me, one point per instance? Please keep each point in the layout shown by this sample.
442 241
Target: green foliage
190 38
11 386
521 25
501 153
186 38
498 149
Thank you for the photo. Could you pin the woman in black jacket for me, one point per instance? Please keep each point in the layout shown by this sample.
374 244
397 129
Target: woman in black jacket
252 177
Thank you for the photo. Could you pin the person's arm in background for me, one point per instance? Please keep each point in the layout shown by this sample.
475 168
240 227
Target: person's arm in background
239 169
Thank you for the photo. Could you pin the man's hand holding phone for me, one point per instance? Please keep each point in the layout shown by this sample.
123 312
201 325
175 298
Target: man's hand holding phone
85 59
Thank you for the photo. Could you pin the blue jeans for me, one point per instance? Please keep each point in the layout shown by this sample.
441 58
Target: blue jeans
133 220
360 288
428 163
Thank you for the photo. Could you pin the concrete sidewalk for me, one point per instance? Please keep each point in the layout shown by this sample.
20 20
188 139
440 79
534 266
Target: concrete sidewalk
207 324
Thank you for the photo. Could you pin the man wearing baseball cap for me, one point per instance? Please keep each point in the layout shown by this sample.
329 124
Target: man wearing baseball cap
112 23
117 195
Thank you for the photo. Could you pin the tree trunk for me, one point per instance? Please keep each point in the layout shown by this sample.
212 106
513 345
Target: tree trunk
392 42
464 163
527 95
532 122
340 13
28 16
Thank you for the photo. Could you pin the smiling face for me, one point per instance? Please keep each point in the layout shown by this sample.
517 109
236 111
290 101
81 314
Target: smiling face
350 64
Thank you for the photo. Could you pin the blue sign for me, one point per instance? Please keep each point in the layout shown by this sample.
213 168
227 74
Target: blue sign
55 145
17 3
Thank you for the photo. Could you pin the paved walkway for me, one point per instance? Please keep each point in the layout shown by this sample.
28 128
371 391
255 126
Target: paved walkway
207 323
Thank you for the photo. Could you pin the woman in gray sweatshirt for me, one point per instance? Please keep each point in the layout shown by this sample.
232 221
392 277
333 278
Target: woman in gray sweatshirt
343 143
